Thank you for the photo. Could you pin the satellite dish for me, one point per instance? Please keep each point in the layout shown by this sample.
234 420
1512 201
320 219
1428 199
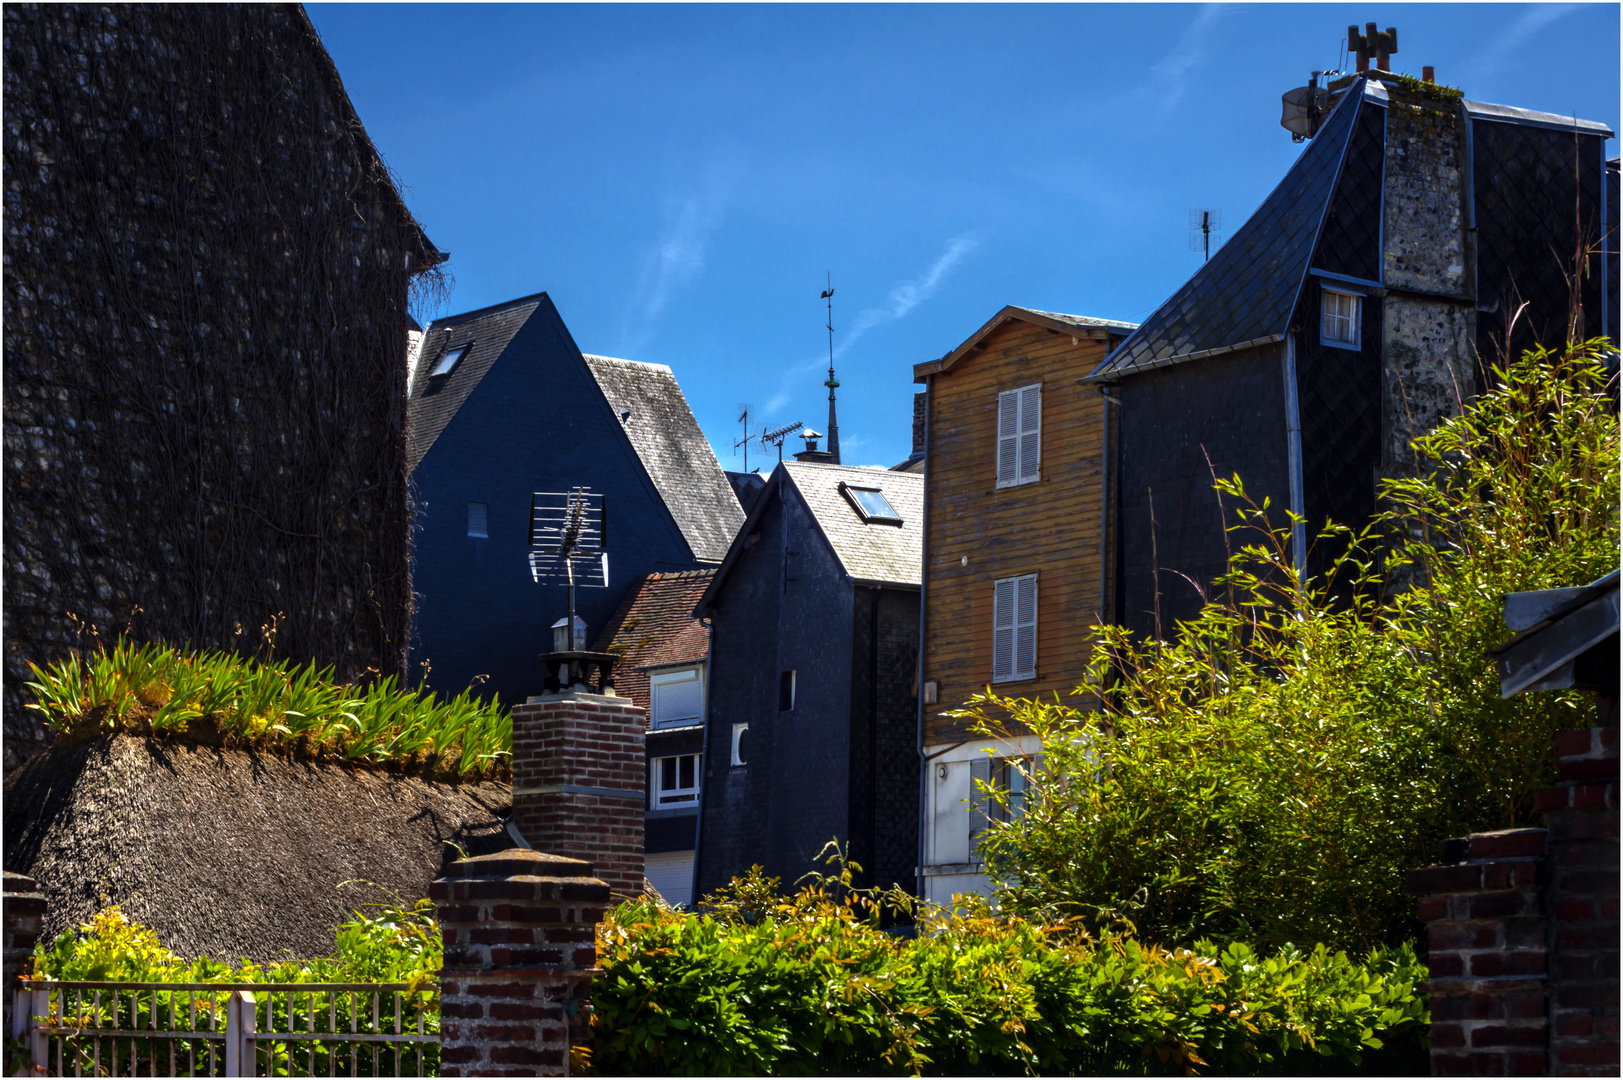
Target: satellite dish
1305 108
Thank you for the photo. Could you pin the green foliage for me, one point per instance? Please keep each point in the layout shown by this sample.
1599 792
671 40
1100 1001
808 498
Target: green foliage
811 985
1271 774
222 698
396 944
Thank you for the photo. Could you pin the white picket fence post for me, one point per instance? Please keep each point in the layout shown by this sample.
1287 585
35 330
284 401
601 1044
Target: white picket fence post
241 1019
39 1047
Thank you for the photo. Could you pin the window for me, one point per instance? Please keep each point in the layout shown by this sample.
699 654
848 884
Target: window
1019 435
1014 629
786 691
1006 775
1339 324
741 744
676 698
871 504
676 781
476 520
449 361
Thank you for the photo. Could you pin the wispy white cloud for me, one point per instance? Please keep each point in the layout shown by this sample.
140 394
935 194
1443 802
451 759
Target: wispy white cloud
676 259
1171 75
1491 60
899 302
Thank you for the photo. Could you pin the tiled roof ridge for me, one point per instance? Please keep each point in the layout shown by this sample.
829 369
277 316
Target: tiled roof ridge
1088 320
623 360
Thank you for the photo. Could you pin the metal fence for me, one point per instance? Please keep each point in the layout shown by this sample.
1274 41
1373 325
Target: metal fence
227 1029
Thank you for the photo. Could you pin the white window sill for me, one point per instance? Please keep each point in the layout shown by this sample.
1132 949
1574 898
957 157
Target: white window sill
951 869
1019 483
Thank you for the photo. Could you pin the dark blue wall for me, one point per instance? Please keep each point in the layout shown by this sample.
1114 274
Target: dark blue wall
536 422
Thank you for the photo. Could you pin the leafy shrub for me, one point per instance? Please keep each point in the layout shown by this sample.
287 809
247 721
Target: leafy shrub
811 985
222 698
1271 774
397 944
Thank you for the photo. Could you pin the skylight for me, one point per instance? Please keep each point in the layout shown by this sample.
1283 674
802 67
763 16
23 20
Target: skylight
872 504
449 361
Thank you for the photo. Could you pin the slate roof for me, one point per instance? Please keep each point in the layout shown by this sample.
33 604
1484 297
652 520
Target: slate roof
1245 294
1090 326
675 452
431 405
883 554
655 626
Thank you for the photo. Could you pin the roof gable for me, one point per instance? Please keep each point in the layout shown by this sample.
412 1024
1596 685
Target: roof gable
433 403
1246 293
655 627
869 553
661 427
1080 326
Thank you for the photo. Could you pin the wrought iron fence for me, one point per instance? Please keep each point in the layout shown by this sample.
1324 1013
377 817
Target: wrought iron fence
228 1029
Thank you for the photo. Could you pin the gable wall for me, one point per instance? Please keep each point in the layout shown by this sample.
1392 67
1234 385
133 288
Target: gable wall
1050 527
536 422
884 735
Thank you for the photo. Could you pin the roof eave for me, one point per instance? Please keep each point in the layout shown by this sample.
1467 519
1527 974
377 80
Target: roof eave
1013 311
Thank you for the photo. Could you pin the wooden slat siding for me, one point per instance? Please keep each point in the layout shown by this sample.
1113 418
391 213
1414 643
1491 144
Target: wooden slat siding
1051 527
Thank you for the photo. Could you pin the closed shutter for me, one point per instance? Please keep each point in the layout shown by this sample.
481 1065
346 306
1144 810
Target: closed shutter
1025 627
1031 436
980 777
676 699
1003 630
1008 438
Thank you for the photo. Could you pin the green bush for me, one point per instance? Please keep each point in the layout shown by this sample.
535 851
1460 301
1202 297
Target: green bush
1271 774
811 985
226 699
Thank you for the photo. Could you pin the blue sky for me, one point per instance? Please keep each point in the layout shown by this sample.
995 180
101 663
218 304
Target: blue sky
680 178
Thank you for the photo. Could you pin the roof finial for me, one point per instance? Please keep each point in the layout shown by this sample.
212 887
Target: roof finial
832 383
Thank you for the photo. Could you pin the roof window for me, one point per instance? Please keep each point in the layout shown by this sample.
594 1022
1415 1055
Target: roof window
871 504
450 360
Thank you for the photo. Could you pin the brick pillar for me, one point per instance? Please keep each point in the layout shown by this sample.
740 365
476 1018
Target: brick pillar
1487 937
580 782
22 909
1581 898
520 953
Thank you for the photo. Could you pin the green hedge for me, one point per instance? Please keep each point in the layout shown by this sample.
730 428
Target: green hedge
813 986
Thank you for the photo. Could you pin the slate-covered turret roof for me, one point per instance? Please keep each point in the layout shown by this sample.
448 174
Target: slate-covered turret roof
675 452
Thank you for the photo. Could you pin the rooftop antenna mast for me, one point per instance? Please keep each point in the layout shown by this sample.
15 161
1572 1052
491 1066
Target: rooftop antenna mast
776 437
832 383
744 418
1202 224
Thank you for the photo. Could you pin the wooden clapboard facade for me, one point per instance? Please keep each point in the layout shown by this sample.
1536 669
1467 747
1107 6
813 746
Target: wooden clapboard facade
981 529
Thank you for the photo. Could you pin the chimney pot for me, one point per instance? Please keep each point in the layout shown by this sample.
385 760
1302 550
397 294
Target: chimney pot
1428 74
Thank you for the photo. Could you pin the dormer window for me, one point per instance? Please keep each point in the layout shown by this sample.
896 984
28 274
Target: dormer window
450 360
871 504
1339 322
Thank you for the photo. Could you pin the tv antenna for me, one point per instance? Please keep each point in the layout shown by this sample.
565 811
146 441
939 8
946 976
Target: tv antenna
744 409
1204 224
776 437
566 542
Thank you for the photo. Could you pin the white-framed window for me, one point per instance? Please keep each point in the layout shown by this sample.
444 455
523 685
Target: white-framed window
1019 435
448 362
1339 322
1014 628
741 744
871 503
477 519
675 781
1006 775
676 698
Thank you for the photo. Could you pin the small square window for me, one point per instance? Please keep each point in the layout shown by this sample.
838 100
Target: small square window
871 504
676 781
476 519
450 360
676 698
786 691
1339 323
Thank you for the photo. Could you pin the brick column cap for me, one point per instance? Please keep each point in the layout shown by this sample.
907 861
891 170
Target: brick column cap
20 883
584 696
517 862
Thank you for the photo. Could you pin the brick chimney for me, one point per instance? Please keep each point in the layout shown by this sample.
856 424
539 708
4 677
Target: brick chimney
580 782
919 403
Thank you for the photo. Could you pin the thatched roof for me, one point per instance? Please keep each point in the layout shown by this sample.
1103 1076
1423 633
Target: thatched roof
229 852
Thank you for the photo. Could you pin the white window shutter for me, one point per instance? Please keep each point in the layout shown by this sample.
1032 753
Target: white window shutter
980 772
676 700
1025 627
1031 436
1008 438
1003 630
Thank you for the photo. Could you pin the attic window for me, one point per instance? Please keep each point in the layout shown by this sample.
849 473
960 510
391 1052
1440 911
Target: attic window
1340 318
871 504
449 361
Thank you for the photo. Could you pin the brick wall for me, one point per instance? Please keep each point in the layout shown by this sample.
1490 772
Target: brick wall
520 953
22 909
1523 931
580 782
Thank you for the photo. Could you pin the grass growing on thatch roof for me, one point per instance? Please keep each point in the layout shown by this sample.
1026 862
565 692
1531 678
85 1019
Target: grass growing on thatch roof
222 699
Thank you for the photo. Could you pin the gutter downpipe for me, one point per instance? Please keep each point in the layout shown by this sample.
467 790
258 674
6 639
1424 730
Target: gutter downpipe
704 757
1104 501
924 581
1293 443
